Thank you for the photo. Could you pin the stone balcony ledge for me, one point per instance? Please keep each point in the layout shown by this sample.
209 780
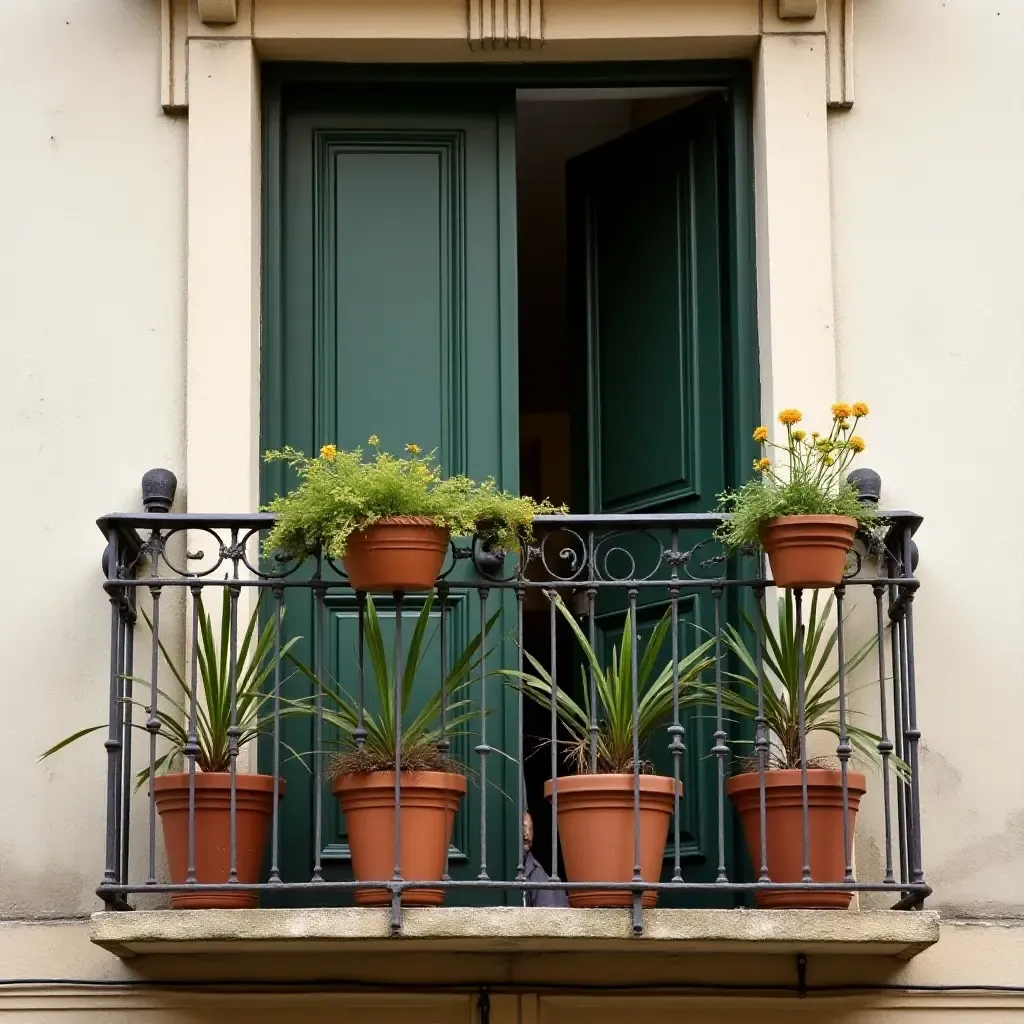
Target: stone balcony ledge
511 930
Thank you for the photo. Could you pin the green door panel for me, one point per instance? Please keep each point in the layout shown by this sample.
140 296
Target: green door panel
647 233
389 309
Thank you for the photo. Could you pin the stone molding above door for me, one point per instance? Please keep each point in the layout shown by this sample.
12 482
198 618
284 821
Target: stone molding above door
498 30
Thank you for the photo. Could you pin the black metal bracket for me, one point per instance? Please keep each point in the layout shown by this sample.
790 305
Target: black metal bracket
483 1006
801 975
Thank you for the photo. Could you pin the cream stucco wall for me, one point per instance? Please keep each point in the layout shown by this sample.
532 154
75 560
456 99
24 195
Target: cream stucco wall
898 284
928 217
92 218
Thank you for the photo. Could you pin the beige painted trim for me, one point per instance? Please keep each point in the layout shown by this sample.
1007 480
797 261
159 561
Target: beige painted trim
796 323
221 12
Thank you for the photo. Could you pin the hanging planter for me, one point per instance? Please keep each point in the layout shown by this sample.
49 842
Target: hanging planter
801 507
397 553
389 518
808 551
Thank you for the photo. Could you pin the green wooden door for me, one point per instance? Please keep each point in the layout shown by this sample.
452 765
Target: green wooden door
389 283
648 243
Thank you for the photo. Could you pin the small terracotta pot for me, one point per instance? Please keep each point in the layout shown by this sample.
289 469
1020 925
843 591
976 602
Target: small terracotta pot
595 827
784 828
400 553
806 552
429 801
254 805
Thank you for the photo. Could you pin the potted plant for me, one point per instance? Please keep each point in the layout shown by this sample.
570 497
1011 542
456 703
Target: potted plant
431 784
783 758
390 518
800 507
596 804
254 794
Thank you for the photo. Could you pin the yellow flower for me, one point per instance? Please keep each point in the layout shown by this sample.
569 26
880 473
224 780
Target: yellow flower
328 452
829 460
761 434
374 440
762 464
860 409
857 443
790 416
844 424
412 449
815 435
798 435
841 411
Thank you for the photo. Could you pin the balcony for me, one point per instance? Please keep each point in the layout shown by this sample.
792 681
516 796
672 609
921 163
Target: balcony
296 650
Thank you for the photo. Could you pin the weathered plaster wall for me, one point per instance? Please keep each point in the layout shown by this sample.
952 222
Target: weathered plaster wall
928 216
92 208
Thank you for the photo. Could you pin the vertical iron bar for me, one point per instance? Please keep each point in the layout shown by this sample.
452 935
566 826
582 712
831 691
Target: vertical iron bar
191 748
677 744
898 647
798 598
153 728
913 734
318 725
761 738
443 744
359 735
112 745
552 597
233 731
638 920
128 632
396 699
592 631
884 743
521 784
119 793
844 749
275 841
483 749
720 749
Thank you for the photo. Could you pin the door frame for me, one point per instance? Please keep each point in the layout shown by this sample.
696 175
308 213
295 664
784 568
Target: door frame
742 408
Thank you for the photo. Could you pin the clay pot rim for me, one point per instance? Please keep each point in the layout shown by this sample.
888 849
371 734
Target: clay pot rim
252 781
617 782
787 778
362 781
810 520
424 521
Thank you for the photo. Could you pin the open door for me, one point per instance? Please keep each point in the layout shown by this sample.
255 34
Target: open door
646 242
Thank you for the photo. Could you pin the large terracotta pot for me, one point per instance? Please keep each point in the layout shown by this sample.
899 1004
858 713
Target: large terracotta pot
400 553
429 801
808 551
595 827
254 805
784 828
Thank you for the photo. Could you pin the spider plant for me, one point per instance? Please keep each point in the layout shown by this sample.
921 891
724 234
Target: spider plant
613 685
374 749
781 663
254 663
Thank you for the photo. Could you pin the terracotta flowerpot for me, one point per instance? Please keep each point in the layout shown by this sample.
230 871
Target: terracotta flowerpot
429 802
595 827
398 553
254 805
808 551
784 828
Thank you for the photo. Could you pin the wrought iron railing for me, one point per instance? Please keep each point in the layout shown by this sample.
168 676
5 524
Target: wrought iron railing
608 568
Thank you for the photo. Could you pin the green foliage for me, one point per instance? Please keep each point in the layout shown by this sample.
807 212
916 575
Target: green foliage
614 689
807 478
254 663
339 493
781 651
420 732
